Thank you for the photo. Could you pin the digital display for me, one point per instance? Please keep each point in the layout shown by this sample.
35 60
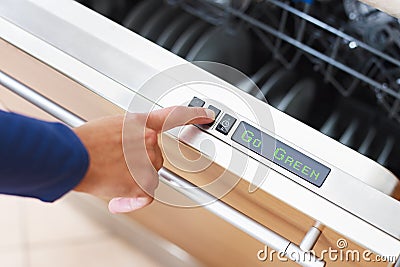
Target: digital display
281 154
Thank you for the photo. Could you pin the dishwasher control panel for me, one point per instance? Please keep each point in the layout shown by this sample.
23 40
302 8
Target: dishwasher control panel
265 145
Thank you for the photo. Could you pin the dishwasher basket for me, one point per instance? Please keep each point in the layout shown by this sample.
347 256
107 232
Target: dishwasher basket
334 65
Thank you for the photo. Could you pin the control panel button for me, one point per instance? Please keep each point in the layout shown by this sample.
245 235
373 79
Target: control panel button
226 123
216 111
196 102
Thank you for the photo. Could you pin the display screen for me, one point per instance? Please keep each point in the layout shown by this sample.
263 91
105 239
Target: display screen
281 154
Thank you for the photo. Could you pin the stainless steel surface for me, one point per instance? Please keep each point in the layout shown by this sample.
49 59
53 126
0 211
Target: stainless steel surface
247 225
310 238
355 208
39 100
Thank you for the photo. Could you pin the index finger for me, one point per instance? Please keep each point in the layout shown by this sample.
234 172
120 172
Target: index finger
168 118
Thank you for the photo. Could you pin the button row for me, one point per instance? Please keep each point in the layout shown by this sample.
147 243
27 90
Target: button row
227 121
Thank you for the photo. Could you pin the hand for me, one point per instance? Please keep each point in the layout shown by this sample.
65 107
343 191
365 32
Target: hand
108 174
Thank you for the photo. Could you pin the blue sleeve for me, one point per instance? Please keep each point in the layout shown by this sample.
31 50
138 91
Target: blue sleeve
39 159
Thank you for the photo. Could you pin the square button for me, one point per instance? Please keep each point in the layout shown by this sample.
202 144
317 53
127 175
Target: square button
196 102
226 123
216 111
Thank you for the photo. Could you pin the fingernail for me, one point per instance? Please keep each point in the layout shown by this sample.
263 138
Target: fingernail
210 114
122 204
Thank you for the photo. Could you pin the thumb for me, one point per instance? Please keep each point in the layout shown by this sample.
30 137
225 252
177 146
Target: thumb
124 204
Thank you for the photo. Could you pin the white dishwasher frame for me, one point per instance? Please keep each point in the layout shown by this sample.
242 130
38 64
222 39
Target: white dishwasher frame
102 60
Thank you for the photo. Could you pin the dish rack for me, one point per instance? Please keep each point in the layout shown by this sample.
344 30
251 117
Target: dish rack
334 65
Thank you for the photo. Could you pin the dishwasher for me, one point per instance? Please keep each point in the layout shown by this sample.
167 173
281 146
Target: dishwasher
303 156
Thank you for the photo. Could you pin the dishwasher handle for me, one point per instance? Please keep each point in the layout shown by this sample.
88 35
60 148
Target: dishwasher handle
240 220
216 206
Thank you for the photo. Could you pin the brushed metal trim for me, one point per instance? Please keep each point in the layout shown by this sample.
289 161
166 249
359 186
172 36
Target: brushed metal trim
40 101
239 220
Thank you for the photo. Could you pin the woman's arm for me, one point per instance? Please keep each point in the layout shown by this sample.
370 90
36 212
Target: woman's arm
46 160
39 159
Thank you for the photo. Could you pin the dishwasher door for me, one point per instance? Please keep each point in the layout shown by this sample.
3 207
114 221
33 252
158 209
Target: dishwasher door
77 65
